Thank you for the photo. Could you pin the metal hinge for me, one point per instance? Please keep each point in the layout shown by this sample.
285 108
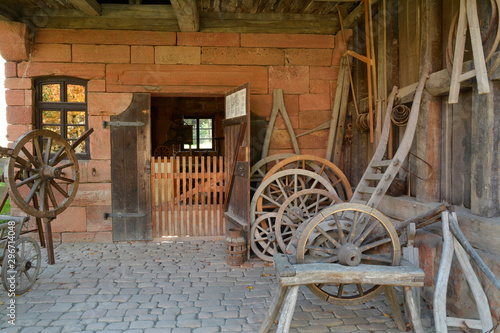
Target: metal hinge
148 167
122 123
106 215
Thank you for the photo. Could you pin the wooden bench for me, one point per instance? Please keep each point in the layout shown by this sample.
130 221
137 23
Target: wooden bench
291 275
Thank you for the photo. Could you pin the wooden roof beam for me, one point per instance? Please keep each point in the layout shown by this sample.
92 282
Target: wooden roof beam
357 13
187 15
88 7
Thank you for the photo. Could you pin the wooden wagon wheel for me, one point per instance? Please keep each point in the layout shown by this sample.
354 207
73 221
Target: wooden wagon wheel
299 208
25 262
259 169
271 194
341 234
162 151
263 238
321 166
43 167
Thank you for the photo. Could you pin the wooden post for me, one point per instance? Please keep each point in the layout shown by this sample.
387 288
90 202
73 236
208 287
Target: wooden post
429 128
485 183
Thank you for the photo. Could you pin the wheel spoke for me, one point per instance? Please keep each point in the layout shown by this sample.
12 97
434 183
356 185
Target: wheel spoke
360 290
378 258
340 291
321 249
24 167
58 157
38 151
33 190
43 197
28 180
30 157
64 166
330 238
374 244
48 148
59 188
330 260
64 179
52 197
350 238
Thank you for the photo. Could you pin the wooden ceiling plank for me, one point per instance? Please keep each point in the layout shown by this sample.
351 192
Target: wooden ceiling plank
187 15
88 7
352 19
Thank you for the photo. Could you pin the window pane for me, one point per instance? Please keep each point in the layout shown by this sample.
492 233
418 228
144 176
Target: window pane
205 143
205 123
81 148
51 117
76 93
56 129
76 117
205 133
51 92
74 132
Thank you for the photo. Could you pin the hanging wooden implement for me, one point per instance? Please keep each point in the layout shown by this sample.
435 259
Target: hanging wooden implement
468 14
279 106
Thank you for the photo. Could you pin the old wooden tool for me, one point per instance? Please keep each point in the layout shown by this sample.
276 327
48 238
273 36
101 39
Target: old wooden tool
452 246
468 14
279 106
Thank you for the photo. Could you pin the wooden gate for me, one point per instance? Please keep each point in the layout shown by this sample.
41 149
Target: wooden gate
187 196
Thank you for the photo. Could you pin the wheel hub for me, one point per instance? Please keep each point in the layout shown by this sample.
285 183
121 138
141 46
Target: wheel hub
349 255
49 172
271 237
27 265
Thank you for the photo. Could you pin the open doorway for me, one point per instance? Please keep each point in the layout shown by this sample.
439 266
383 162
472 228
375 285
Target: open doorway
187 166
187 126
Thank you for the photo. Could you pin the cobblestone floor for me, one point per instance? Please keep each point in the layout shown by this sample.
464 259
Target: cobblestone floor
170 287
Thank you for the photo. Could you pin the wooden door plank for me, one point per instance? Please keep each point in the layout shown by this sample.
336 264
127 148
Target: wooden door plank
221 195
204 216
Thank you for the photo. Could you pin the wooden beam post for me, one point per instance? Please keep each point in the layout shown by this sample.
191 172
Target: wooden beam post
88 7
485 153
429 128
187 15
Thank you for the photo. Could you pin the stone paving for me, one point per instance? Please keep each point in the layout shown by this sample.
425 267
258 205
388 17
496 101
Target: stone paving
170 287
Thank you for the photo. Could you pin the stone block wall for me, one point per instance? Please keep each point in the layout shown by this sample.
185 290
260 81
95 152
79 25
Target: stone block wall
118 63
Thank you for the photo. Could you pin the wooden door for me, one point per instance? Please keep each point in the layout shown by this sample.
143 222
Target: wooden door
237 159
130 168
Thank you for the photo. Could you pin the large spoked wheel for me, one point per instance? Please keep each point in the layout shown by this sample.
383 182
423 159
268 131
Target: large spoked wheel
42 173
319 165
20 269
348 234
299 208
259 169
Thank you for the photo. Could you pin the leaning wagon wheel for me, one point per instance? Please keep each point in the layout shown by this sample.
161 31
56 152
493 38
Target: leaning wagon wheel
321 166
263 238
259 169
162 151
342 234
299 208
23 265
42 170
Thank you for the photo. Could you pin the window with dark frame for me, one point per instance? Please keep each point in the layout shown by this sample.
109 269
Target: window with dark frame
61 106
203 129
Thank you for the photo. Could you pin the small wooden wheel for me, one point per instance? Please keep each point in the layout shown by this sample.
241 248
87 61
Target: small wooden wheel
342 234
297 209
23 265
162 151
321 166
263 238
42 173
259 169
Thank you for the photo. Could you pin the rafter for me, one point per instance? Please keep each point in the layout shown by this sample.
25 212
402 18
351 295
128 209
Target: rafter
88 7
187 14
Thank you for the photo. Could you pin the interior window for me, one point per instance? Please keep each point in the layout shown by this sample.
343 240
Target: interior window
61 106
202 133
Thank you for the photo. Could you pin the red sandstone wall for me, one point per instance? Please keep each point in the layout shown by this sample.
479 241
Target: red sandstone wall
117 63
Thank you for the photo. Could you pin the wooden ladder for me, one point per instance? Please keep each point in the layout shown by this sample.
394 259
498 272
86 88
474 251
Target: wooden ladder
372 175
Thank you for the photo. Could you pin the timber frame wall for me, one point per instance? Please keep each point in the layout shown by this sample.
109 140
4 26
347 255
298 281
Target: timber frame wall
118 63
